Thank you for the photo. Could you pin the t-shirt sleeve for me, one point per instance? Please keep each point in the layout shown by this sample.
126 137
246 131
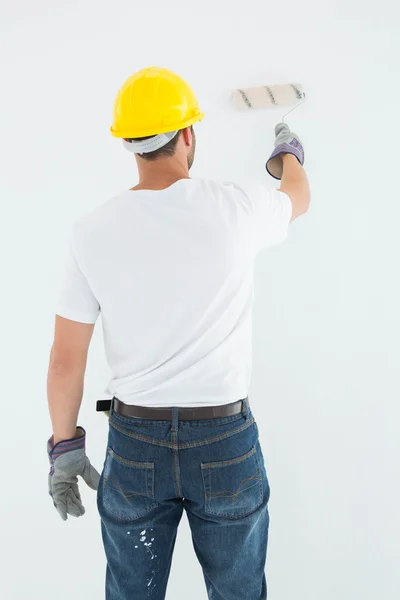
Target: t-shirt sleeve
76 300
270 211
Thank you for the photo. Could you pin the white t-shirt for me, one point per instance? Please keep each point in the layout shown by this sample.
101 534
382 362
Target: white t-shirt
171 273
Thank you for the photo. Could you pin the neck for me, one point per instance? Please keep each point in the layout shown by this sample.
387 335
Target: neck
160 174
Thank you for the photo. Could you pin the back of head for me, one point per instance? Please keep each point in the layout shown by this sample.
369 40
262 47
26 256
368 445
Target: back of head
154 113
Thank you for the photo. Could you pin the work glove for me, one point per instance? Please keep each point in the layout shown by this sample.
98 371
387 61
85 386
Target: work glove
68 460
286 142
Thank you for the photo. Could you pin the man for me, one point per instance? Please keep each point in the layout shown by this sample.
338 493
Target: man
169 266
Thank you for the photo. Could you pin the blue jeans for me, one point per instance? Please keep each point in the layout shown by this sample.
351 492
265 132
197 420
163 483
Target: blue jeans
214 470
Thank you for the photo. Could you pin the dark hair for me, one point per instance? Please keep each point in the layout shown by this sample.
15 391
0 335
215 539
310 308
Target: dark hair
167 150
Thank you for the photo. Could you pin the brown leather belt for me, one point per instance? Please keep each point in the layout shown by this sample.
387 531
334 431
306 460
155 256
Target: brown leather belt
184 414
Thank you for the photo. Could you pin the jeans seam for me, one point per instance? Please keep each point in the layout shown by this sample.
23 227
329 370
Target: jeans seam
130 463
227 463
185 445
210 422
218 438
146 423
178 486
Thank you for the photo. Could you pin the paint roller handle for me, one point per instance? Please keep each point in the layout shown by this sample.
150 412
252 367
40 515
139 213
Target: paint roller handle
286 142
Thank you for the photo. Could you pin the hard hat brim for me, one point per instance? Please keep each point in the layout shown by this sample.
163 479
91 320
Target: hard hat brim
147 132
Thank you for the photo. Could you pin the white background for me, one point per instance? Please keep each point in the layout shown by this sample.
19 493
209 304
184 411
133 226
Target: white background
326 338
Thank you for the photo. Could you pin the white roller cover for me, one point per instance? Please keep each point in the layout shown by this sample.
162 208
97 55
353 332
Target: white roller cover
268 96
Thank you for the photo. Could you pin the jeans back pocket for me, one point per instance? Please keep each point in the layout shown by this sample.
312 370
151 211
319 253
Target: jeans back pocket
233 488
127 487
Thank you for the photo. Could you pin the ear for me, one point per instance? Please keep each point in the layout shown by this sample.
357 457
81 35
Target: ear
187 136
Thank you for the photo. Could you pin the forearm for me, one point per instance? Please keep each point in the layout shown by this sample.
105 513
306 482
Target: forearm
64 391
295 184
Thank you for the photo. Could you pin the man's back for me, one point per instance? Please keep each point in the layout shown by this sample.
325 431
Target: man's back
169 266
172 273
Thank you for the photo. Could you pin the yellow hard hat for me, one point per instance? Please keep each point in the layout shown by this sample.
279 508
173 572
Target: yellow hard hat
154 101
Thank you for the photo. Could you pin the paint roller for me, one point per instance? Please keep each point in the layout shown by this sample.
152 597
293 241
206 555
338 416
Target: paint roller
270 96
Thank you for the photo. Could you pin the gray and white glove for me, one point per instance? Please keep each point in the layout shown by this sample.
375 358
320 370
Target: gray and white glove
286 142
68 460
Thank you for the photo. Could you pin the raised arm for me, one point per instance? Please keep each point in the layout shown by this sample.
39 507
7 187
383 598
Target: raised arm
295 184
286 164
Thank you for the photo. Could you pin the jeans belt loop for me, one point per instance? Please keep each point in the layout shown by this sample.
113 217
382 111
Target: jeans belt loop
174 418
245 408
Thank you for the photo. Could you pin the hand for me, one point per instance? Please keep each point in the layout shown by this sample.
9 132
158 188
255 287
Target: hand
68 460
286 142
